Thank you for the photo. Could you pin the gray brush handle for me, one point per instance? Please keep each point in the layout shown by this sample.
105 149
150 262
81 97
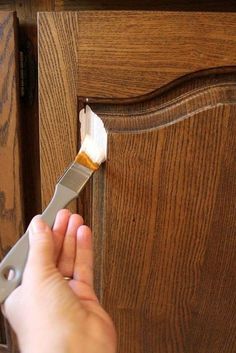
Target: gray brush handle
17 256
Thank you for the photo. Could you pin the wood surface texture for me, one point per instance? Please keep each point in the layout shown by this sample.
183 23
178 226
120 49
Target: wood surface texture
131 53
162 208
161 5
58 123
168 232
29 8
27 14
11 204
114 55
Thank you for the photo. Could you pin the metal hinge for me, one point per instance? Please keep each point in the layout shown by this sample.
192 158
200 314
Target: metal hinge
28 72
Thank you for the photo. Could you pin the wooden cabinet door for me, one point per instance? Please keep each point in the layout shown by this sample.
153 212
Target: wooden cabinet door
162 207
11 205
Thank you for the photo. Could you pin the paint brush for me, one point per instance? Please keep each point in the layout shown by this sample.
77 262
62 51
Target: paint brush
88 160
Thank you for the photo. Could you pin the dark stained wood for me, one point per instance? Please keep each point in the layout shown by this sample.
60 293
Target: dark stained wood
9 130
123 54
58 122
161 5
162 207
168 233
27 14
11 204
30 7
112 62
30 131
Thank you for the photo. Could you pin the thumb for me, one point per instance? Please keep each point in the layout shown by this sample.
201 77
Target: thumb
41 251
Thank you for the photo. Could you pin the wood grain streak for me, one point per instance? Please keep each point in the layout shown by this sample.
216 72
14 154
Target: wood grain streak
11 204
162 208
161 5
29 8
113 63
57 81
153 110
168 216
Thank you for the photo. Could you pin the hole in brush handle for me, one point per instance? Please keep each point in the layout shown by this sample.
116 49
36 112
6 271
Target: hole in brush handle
10 279
14 262
9 273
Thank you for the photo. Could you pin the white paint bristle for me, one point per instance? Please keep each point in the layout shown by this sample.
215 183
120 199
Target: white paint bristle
93 136
93 150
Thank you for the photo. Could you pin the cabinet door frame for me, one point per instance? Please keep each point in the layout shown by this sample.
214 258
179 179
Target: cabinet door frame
72 45
110 56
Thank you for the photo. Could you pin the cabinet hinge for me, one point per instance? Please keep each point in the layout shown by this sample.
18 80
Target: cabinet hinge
28 72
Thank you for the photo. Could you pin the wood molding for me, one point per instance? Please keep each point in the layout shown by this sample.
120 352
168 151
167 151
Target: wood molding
195 92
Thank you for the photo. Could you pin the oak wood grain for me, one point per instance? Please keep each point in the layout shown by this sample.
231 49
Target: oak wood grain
11 204
168 233
27 14
57 82
131 53
167 187
30 7
111 62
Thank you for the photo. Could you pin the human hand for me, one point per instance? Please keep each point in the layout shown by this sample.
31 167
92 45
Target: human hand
48 313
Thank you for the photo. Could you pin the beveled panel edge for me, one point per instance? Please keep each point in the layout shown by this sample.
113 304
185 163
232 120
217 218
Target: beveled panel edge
174 102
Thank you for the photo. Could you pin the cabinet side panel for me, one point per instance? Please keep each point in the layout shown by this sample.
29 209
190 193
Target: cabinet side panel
11 205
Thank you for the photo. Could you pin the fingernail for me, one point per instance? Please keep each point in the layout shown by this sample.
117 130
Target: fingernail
38 225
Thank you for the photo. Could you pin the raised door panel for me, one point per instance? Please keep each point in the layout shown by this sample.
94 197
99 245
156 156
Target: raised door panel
11 205
168 231
162 207
125 54
116 54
